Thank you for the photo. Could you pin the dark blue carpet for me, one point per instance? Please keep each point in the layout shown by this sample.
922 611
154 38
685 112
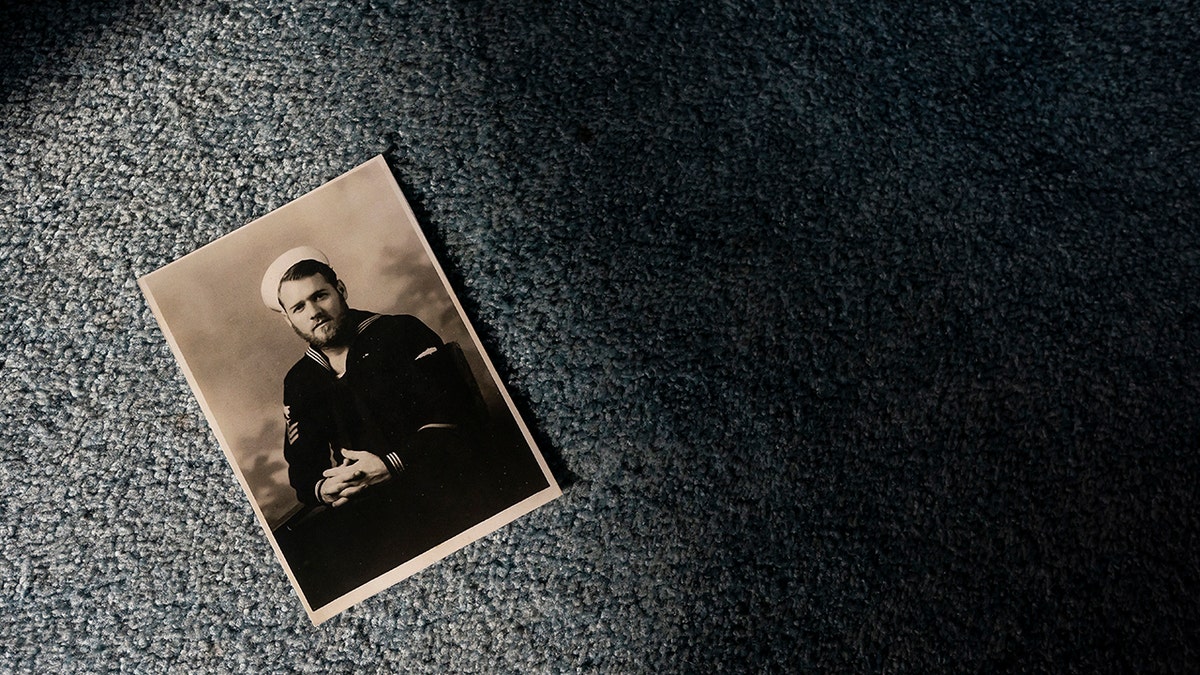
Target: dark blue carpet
866 337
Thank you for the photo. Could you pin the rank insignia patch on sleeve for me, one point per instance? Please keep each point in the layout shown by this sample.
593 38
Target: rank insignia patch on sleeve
293 429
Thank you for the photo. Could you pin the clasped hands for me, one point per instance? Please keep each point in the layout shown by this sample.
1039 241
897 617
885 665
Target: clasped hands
358 471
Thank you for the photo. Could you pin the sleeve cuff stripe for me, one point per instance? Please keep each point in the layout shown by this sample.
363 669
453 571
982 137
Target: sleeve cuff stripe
394 462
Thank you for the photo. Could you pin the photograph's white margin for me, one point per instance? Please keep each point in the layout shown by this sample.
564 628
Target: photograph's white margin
434 554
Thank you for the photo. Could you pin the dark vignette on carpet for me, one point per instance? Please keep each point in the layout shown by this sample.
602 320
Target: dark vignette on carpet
867 335
910 293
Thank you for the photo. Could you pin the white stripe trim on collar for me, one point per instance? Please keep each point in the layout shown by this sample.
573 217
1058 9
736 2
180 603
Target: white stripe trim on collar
319 356
367 322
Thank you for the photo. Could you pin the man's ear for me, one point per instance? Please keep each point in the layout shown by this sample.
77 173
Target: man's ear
341 289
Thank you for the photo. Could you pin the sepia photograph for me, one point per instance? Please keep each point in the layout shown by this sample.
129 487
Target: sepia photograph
348 390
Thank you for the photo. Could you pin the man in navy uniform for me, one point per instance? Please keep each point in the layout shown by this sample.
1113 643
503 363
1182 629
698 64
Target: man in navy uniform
372 395
381 426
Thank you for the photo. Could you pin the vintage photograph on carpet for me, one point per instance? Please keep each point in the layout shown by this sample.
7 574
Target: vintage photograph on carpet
348 390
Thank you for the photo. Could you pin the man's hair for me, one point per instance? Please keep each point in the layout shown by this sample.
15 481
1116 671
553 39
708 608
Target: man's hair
307 268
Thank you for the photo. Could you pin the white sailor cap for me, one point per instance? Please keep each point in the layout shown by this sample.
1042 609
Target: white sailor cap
270 280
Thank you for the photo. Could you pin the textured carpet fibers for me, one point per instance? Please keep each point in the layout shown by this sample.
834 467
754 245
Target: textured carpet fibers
865 336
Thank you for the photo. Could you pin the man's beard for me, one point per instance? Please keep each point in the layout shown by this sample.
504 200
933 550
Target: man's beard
339 334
